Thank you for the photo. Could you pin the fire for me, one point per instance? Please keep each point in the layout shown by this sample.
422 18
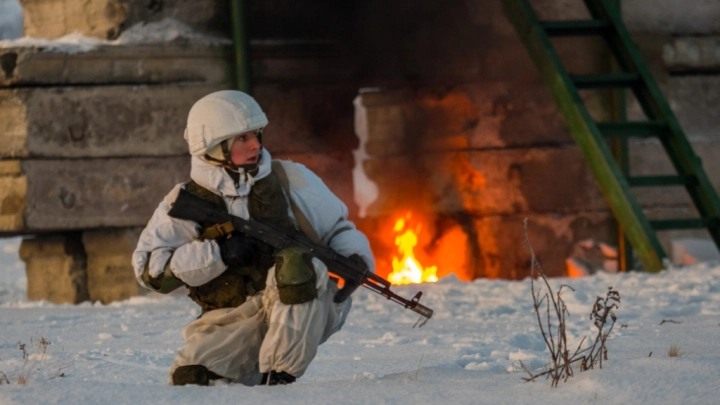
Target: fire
408 270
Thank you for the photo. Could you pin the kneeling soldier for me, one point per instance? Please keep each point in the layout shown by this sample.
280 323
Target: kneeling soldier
264 313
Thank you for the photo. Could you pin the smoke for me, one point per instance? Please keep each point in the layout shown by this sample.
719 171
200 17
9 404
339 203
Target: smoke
11 19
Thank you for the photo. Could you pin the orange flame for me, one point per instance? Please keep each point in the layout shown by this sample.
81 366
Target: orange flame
408 270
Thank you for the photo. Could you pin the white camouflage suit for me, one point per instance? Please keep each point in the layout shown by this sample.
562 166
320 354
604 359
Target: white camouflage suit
262 334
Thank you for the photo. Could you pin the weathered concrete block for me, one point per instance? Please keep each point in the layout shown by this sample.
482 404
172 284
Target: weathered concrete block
13 189
672 16
692 54
650 159
86 194
55 267
55 18
693 99
105 121
492 182
116 64
658 16
176 61
106 19
110 276
473 116
309 118
302 61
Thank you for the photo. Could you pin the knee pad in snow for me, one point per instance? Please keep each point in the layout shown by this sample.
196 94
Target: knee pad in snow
295 276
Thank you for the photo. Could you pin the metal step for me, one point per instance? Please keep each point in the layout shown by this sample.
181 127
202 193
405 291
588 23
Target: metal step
606 81
591 137
685 223
636 129
576 28
660 181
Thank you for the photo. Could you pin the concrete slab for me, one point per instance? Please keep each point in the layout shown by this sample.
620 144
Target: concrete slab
475 116
672 17
103 121
650 158
492 182
692 54
514 181
54 195
116 64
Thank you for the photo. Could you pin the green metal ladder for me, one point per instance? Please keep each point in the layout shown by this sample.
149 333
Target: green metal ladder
591 136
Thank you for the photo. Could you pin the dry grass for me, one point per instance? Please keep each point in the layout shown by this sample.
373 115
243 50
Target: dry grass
21 347
675 351
414 377
552 324
22 376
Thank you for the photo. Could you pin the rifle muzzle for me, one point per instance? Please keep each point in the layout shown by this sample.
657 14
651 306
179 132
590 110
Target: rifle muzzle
423 310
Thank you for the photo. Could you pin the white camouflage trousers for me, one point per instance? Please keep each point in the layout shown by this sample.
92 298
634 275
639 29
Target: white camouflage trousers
264 334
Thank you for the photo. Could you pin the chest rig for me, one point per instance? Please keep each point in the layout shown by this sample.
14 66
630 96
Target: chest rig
230 289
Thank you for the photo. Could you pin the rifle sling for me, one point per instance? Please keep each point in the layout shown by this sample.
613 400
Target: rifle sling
301 219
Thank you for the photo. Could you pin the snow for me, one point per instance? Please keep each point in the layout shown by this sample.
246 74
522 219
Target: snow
469 353
70 44
163 31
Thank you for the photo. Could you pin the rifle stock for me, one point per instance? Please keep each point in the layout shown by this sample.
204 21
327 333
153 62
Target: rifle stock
193 208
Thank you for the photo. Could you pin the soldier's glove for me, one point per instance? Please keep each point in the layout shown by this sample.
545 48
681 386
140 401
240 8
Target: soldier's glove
236 250
350 286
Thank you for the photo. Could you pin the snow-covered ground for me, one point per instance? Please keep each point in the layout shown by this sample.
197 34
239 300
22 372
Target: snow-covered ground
468 353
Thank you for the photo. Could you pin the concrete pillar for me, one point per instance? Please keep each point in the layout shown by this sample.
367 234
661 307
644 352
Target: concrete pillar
56 268
77 266
110 275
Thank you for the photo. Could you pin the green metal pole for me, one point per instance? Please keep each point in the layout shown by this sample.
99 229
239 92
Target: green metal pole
240 46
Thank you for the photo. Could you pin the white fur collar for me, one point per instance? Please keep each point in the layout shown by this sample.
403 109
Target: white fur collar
216 179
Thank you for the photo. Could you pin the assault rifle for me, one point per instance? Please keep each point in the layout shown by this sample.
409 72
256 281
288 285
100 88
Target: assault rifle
190 207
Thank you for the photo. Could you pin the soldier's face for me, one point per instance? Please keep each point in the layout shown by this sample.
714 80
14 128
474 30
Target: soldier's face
245 149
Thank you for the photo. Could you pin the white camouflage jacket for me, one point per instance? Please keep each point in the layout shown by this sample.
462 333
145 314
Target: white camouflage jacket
196 262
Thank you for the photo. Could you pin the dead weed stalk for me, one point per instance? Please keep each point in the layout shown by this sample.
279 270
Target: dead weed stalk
674 350
22 376
553 326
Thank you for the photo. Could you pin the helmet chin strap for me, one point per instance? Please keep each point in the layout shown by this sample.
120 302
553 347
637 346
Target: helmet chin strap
227 163
235 171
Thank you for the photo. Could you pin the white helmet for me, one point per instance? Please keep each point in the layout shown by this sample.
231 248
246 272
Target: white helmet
218 117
